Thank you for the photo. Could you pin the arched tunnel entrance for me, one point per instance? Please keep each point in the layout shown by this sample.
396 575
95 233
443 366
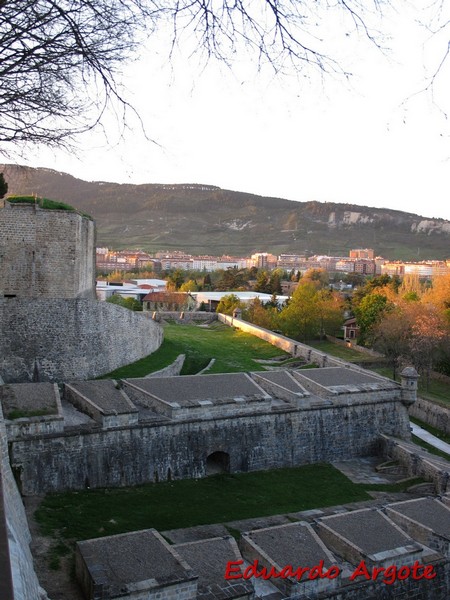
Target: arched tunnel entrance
218 462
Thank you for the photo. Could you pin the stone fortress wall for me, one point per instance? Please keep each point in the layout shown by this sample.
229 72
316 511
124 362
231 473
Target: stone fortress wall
155 429
51 326
23 583
46 253
62 339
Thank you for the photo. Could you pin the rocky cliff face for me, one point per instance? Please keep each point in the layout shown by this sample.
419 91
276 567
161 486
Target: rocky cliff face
414 223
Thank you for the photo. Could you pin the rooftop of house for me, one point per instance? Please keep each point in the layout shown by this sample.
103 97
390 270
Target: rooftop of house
162 296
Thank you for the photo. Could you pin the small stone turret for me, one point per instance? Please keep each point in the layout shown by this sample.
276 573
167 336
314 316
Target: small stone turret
409 380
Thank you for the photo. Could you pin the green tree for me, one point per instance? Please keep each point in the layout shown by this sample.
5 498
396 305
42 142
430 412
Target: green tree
319 277
260 314
228 304
428 332
130 303
262 283
331 312
175 280
391 337
369 313
207 285
301 318
189 286
275 283
231 279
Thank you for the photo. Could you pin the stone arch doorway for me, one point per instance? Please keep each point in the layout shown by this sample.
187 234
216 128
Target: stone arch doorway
218 462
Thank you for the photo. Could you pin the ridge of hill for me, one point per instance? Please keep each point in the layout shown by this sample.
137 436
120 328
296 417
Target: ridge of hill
205 219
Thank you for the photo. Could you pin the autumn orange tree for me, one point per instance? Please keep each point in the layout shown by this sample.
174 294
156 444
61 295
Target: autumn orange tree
439 295
415 328
428 333
391 337
260 315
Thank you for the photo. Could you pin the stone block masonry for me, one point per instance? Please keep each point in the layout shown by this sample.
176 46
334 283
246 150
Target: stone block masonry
157 451
66 339
46 253
418 462
21 582
431 413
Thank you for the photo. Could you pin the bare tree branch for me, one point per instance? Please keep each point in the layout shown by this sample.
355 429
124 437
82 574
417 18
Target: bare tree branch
60 59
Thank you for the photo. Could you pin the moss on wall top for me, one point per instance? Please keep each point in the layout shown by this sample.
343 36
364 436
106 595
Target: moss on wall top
45 203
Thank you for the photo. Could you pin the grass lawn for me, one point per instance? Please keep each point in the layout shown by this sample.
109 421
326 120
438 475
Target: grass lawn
438 391
348 354
215 499
233 351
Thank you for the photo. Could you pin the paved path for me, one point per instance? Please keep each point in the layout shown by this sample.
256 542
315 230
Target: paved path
430 438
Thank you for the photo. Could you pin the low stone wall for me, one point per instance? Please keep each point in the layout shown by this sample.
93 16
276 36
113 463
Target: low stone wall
171 370
284 343
67 339
187 316
419 463
432 414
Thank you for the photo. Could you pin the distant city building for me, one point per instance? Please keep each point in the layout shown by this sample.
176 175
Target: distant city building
360 260
175 260
345 265
205 263
364 266
361 253
124 260
423 269
233 262
264 260
168 301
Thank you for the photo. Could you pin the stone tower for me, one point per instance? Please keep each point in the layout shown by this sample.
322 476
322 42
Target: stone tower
52 328
46 253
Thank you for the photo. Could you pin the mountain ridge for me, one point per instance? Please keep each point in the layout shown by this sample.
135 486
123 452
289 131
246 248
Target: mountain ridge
206 219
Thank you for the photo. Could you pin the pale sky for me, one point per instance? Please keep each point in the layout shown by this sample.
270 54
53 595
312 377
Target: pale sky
374 140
